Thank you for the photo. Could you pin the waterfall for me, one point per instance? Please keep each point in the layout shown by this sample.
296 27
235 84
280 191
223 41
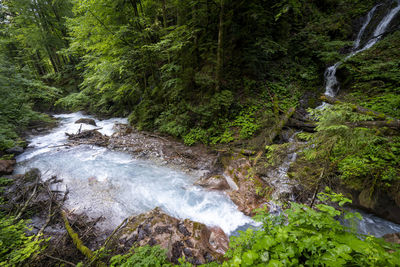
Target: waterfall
364 26
332 85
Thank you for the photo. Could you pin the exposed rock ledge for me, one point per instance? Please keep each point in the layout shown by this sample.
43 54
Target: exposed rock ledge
195 241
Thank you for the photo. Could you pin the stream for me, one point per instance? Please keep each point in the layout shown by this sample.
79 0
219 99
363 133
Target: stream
370 224
115 185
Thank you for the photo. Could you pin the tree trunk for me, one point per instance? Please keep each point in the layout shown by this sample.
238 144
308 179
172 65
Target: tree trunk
164 10
359 109
278 127
220 50
384 120
395 124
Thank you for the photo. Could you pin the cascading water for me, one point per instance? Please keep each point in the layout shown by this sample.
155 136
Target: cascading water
331 83
370 223
115 185
364 26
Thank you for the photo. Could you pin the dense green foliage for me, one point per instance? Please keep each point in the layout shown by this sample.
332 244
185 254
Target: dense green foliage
15 246
19 94
198 70
302 236
364 157
141 256
213 71
374 77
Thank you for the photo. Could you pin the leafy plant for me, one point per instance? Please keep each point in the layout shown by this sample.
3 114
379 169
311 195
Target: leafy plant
142 257
302 236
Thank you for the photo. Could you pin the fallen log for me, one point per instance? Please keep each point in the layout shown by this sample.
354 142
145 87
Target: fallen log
382 119
306 126
359 109
90 255
395 124
278 126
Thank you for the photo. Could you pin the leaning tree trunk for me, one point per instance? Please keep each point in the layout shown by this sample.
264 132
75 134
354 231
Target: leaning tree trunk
278 126
382 119
220 50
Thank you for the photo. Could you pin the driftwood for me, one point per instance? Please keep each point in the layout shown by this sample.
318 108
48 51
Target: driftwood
383 119
58 259
84 134
278 127
26 204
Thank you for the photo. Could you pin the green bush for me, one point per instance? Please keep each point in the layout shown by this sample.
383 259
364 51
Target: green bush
15 246
142 257
302 236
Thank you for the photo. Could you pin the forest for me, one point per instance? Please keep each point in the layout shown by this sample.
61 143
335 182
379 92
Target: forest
243 80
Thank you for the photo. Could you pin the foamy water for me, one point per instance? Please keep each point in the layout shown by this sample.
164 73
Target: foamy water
115 185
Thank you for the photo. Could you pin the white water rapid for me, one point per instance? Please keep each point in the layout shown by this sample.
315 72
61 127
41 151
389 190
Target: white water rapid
332 85
115 185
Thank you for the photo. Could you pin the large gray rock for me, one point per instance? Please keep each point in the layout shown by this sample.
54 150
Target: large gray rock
197 242
216 182
86 121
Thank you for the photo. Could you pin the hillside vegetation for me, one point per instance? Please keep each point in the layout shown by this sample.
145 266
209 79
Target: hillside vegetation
226 74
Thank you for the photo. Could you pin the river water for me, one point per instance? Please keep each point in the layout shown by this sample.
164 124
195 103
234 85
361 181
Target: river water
115 185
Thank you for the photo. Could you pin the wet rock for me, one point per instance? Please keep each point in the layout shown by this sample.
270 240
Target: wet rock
182 229
86 121
179 237
6 166
197 160
218 240
89 137
366 200
216 182
247 188
392 238
17 150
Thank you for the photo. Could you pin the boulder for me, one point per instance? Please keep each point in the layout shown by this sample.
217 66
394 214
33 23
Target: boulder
366 200
6 166
17 150
216 182
198 243
87 121
248 190
392 238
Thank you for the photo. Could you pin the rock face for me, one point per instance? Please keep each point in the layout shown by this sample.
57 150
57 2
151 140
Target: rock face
216 182
240 182
382 203
392 238
198 243
248 190
86 121
6 166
